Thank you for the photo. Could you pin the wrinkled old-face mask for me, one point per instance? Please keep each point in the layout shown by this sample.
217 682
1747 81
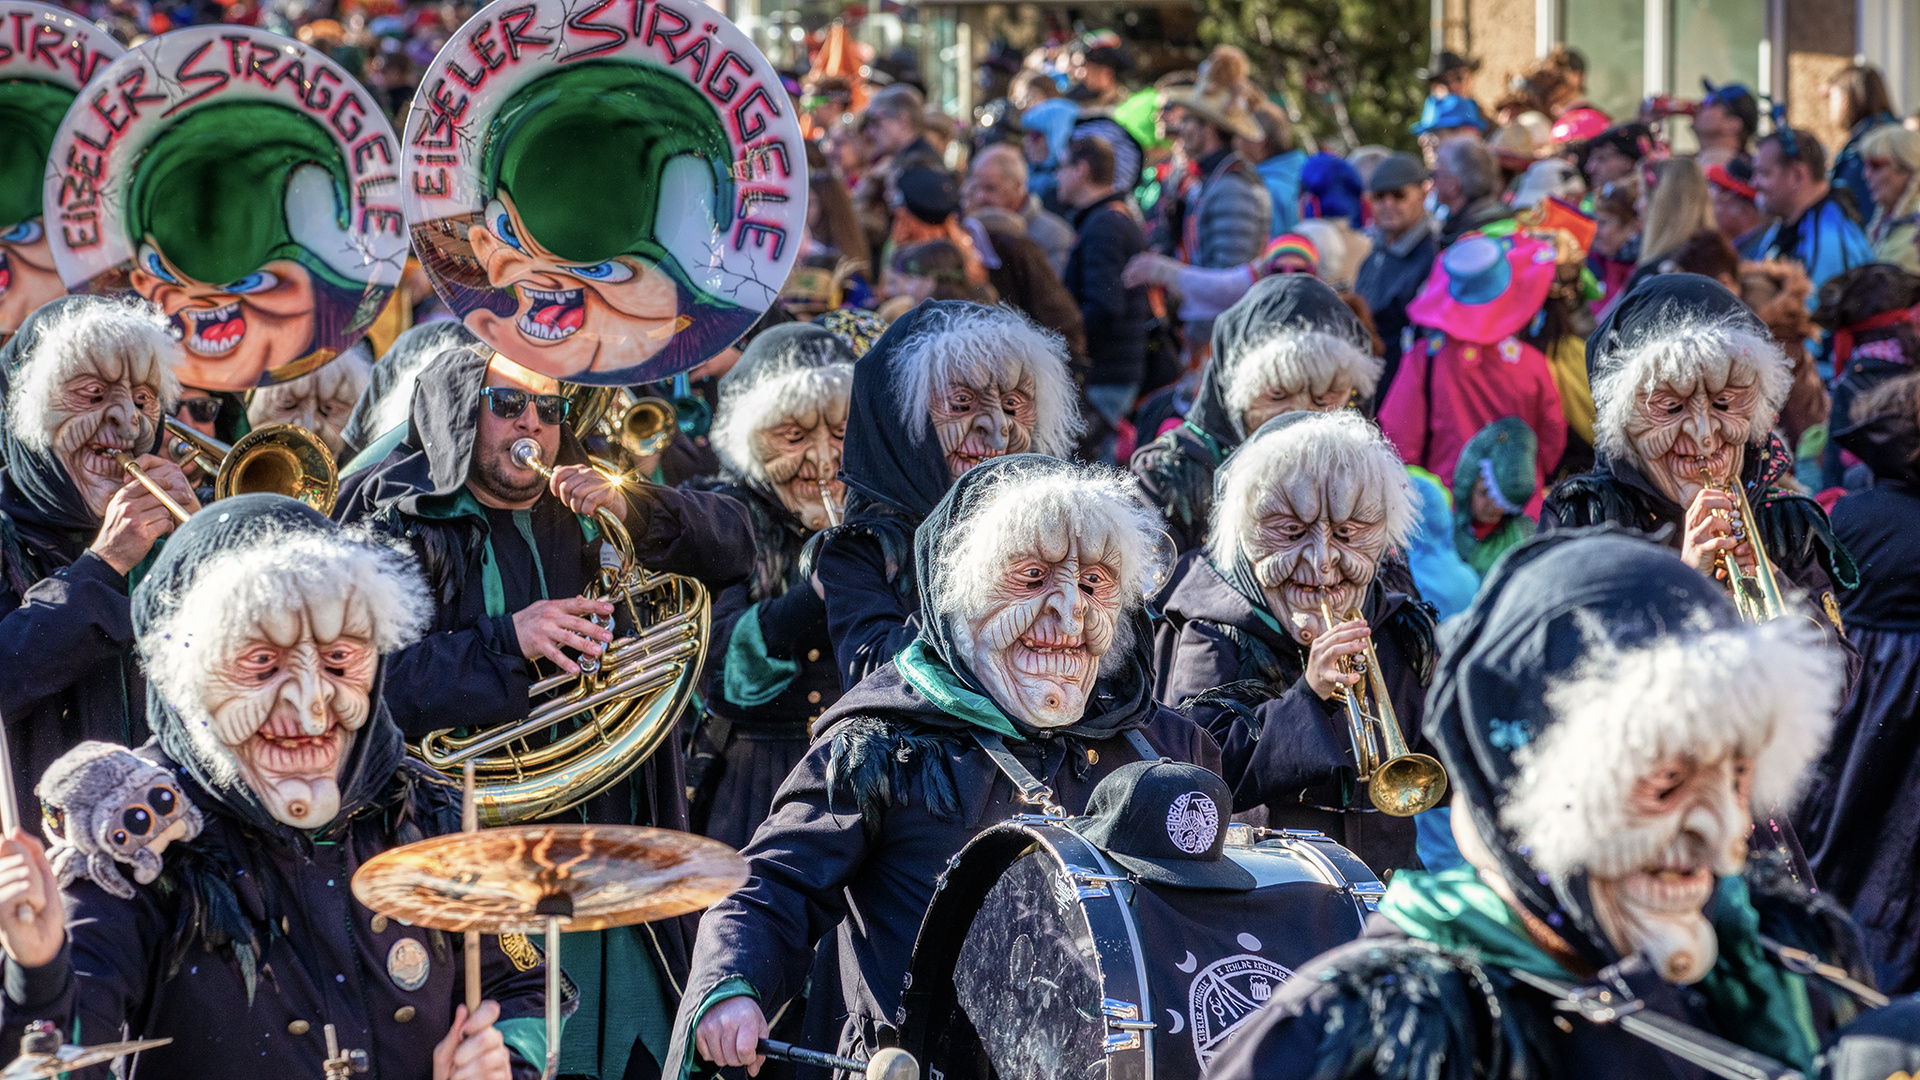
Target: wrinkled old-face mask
1650 882
1050 614
801 454
111 403
1687 436
1314 537
1333 393
977 422
287 698
319 401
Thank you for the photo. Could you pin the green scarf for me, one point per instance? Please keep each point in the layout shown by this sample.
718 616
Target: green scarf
926 672
1757 1004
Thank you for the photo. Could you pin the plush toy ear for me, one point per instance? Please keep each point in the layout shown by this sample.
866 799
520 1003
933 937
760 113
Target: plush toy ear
101 870
68 864
146 865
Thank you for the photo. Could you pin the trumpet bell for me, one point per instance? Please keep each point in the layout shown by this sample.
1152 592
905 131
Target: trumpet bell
647 427
1407 785
280 459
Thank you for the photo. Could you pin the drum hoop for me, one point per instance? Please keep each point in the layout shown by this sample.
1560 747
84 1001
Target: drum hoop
1363 892
1123 979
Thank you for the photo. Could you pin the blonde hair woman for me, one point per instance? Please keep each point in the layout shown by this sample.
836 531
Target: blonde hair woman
1891 156
1679 206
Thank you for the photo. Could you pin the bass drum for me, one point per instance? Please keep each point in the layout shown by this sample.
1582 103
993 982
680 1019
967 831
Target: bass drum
1034 960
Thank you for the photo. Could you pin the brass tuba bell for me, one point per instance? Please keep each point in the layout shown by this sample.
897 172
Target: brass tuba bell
622 706
647 427
278 459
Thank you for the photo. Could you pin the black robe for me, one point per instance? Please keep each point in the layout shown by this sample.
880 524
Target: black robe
250 941
468 670
893 787
1863 806
1284 748
67 669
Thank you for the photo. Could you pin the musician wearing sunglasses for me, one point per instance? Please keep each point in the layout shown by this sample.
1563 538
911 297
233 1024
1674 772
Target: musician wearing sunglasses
507 554
90 378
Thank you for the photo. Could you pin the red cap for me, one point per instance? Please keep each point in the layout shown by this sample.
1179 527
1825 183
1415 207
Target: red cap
1718 174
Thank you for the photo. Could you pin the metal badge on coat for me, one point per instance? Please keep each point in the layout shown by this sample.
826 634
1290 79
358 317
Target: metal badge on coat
407 964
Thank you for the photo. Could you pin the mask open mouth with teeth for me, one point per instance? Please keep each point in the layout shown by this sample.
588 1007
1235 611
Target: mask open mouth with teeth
213 331
551 314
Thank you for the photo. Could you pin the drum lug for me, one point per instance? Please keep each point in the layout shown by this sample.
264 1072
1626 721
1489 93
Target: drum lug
1368 893
1123 1025
1087 883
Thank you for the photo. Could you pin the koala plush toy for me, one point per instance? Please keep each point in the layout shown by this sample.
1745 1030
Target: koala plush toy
105 804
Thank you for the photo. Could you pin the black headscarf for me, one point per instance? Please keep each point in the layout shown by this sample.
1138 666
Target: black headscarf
1526 628
38 494
378 749
1122 698
1275 304
394 374
887 465
1651 307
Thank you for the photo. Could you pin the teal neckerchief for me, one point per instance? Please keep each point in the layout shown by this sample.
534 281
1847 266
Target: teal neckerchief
1212 444
926 672
1755 1003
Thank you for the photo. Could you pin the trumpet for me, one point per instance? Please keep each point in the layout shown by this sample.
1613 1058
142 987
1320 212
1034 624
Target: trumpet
281 459
626 701
1756 596
1400 783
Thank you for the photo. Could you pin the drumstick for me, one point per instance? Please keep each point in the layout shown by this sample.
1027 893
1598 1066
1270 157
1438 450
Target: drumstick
470 822
10 815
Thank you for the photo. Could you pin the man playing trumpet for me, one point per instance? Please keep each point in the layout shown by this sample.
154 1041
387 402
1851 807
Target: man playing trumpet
508 552
1304 514
90 379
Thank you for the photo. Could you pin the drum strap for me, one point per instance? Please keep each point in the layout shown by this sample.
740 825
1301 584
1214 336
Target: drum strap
1032 791
1612 1003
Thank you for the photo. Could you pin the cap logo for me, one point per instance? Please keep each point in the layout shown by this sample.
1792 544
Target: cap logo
1193 821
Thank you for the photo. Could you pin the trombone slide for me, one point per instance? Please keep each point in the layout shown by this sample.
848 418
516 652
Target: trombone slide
134 470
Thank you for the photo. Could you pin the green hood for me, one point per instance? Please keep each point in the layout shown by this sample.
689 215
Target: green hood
30 113
583 151
212 191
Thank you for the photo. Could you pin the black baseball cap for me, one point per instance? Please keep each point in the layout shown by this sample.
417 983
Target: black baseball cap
1394 172
928 193
1165 821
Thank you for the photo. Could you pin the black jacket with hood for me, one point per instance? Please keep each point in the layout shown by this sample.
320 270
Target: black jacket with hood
67 669
468 670
893 787
250 941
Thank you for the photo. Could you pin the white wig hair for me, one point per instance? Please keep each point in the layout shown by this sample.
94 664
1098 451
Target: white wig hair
974 343
1321 445
1299 358
1023 509
267 571
776 396
132 332
1676 352
1767 692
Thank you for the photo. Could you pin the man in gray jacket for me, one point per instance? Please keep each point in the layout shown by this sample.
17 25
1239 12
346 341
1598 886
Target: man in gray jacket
1229 211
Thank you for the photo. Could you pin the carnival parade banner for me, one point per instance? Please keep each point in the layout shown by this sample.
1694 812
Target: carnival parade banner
47 54
607 192
244 183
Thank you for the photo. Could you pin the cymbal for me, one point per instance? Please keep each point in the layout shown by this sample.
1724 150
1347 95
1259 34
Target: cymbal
509 880
70 1058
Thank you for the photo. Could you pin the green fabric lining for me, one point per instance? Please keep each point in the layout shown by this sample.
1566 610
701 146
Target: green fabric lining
377 450
930 675
619 984
1759 1005
730 987
752 677
527 1036
1212 444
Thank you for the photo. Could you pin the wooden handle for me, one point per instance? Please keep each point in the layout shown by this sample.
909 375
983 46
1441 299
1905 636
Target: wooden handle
470 822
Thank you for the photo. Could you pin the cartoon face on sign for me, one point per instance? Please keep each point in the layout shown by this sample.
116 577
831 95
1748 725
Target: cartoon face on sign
46 55
247 188
604 211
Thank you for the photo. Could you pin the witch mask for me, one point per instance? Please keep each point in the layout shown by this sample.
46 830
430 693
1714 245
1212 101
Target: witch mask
1312 507
989 383
1685 405
271 657
1647 781
95 385
784 430
1299 371
1038 584
319 401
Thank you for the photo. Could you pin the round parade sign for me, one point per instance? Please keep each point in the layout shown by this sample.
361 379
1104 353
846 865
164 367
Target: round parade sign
244 183
47 54
605 191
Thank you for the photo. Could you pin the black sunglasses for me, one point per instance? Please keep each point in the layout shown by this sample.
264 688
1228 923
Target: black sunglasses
203 410
508 403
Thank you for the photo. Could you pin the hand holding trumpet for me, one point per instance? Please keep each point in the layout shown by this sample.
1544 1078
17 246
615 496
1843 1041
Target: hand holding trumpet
137 516
1710 535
